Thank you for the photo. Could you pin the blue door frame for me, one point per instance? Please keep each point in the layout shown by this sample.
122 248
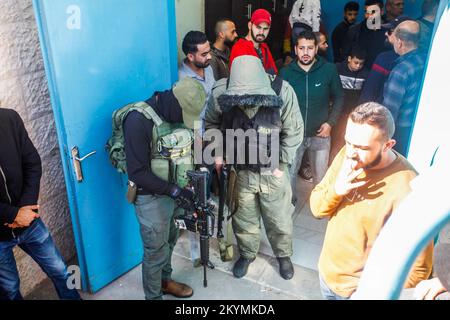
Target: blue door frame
100 55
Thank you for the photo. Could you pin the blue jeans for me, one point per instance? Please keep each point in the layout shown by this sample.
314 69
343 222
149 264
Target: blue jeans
159 236
319 152
327 293
37 242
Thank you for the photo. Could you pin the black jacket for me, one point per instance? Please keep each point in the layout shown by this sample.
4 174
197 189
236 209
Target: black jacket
219 62
138 133
373 42
338 39
352 83
20 171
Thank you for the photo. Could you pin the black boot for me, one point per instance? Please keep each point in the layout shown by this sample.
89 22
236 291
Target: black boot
241 266
286 268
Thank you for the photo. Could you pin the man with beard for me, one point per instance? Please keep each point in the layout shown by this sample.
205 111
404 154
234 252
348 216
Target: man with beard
364 185
197 62
196 65
316 83
220 51
340 32
253 44
322 43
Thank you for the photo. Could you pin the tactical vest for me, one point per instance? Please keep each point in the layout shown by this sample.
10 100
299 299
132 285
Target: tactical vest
264 122
171 149
258 147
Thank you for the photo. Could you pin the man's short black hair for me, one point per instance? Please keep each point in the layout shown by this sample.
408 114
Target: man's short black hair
308 35
191 40
373 2
358 52
376 115
351 6
220 26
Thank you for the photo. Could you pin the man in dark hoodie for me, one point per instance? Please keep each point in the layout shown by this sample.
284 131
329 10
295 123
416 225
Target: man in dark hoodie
316 83
20 223
368 34
339 35
157 195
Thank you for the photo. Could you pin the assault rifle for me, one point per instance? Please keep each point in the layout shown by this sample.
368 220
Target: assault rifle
200 220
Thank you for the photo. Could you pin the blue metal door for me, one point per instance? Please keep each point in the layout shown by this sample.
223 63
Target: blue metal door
100 55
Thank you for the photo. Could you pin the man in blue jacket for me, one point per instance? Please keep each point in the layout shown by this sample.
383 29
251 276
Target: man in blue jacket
20 224
402 89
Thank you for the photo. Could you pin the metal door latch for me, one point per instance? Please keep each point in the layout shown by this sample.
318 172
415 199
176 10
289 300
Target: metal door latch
77 162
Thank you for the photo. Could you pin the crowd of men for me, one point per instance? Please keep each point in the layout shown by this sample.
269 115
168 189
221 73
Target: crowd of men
348 120
355 117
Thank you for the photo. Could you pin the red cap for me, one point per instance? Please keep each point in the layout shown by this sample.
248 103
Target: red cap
260 16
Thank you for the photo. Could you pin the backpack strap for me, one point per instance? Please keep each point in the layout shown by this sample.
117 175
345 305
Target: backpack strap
148 112
277 84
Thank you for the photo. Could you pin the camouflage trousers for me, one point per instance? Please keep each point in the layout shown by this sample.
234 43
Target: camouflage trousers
261 195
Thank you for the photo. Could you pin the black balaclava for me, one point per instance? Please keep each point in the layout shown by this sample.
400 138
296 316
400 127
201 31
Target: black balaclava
166 106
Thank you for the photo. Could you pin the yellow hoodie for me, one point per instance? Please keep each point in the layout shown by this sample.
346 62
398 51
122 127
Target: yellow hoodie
356 219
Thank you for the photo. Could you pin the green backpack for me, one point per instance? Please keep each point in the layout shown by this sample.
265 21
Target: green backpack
171 146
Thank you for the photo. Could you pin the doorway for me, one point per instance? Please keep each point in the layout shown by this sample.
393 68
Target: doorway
240 11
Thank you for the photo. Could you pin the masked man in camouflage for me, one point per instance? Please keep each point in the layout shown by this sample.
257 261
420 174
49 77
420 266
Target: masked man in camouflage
251 101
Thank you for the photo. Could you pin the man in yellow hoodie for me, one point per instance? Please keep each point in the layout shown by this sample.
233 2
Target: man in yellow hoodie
362 188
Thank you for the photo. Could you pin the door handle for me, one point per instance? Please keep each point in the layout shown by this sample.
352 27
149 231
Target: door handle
249 11
274 6
285 4
76 161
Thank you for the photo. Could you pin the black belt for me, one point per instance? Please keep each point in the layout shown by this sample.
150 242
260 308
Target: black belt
142 192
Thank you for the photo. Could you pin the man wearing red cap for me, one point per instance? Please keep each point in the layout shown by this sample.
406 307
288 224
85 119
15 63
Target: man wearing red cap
253 44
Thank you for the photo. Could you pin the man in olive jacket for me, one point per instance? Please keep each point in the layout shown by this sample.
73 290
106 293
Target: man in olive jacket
253 100
320 96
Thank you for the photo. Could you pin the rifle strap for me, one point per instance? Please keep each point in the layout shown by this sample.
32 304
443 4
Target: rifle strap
225 244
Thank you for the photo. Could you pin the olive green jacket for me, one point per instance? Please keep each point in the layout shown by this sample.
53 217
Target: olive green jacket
248 79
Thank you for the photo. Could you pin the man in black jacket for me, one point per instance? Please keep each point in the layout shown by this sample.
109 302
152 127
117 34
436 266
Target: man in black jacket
368 34
20 224
157 196
339 34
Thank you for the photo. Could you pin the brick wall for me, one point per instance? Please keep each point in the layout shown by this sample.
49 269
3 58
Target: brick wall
23 87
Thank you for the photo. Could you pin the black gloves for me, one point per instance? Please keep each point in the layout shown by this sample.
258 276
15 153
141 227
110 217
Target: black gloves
184 198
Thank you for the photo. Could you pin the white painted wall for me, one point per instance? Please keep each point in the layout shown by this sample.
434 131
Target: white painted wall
190 16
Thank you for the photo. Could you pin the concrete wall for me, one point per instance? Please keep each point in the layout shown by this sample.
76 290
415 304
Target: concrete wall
23 87
190 16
